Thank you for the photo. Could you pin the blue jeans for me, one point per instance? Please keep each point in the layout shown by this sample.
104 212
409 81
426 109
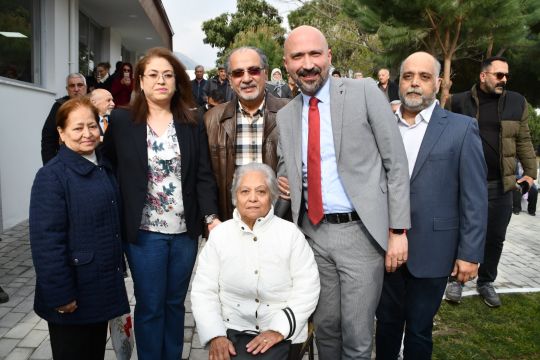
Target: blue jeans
161 266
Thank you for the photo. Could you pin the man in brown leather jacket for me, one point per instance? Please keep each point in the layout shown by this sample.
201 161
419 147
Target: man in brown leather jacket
242 130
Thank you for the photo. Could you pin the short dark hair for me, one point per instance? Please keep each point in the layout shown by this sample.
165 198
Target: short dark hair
487 62
182 103
71 105
336 71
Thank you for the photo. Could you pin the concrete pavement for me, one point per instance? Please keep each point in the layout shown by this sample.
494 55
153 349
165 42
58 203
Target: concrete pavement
23 335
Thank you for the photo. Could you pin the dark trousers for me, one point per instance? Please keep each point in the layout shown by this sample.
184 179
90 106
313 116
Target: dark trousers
499 214
531 200
82 342
407 303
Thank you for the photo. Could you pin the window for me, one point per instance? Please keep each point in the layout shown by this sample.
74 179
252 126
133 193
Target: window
89 44
19 40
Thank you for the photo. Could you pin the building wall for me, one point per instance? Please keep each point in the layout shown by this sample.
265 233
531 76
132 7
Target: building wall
25 107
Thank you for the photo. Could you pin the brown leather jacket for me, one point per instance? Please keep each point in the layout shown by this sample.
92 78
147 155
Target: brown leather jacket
220 122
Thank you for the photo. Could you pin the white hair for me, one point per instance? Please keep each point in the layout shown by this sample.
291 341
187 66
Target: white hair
269 177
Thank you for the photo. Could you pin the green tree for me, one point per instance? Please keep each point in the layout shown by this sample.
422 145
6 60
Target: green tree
351 48
264 39
448 29
250 14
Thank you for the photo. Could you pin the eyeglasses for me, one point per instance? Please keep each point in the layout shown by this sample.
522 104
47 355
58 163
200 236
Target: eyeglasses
252 71
73 86
500 75
156 76
127 69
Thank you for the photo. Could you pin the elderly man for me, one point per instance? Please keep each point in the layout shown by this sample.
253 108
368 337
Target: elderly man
387 86
103 101
448 220
50 140
198 85
349 187
242 131
503 119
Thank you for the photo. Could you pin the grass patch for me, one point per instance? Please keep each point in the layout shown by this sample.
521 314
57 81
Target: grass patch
472 330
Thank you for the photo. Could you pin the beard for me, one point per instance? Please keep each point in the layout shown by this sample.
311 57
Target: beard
417 104
310 87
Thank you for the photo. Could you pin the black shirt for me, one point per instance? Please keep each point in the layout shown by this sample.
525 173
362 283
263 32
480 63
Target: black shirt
490 131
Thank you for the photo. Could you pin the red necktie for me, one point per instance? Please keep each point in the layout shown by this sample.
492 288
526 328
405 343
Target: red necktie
315 207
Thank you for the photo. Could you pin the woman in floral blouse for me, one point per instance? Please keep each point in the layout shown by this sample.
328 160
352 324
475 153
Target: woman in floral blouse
159 150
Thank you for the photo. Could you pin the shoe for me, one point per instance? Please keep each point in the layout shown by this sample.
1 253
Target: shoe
453 292
487 292
4 297
516 212
532 213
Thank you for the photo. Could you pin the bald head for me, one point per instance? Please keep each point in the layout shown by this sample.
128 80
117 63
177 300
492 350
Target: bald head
307 58
419 81
102 100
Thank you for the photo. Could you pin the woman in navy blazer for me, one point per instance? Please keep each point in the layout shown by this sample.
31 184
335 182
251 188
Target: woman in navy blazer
75 239
159 150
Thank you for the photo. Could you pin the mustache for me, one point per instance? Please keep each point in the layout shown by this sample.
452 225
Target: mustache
313 71
414 91
501 84
247 86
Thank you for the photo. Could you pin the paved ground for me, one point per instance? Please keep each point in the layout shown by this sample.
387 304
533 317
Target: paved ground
23 335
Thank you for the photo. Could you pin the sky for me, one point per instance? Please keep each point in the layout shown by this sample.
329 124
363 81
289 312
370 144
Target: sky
187 16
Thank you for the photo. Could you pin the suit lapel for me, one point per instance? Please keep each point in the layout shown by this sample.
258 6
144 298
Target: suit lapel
337 94
295 137
436 126
184 139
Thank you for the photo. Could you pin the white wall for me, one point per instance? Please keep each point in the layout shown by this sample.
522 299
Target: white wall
20 150
24 109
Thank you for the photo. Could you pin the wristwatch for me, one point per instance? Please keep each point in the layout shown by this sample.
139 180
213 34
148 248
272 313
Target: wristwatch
208 219
397 231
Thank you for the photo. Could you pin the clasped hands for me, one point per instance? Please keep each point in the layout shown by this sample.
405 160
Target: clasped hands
222 348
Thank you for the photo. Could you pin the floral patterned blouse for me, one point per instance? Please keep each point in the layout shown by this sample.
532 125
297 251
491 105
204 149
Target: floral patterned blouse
163 210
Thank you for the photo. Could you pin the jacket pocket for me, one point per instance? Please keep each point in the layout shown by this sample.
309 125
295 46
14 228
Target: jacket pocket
79 258
441 224
85 267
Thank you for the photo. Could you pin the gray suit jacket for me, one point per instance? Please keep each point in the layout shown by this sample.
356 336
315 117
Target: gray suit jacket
370 156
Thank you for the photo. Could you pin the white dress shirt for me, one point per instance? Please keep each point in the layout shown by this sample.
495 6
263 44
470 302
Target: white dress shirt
334 197
413 135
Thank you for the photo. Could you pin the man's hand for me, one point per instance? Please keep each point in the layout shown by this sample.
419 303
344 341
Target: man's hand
68 308
221 348
284 190
528 179
397 252
213 224
464 271
263 342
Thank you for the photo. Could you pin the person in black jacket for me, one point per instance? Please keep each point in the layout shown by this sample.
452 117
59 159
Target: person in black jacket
159 149
75 239
389 88
50 140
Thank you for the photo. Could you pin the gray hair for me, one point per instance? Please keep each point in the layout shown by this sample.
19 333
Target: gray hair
76 75
199 67
269 176
262 57
436 66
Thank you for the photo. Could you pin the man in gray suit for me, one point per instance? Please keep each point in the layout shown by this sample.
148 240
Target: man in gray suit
349 187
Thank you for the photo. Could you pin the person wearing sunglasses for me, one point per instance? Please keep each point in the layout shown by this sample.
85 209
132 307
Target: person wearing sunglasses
50 140
504 128
243 130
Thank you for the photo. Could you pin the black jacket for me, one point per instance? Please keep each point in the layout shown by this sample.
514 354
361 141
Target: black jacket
125 146
50 140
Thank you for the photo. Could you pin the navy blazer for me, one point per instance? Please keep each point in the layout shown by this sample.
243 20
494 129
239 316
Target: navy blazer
448 197
125 146
75 240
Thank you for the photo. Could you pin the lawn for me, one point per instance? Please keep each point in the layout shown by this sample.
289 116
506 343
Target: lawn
472 330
